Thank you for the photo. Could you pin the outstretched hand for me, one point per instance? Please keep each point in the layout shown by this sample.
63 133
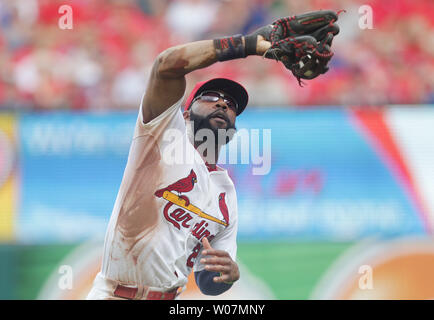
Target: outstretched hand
219 261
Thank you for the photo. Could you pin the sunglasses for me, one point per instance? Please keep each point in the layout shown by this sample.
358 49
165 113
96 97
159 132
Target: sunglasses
214 96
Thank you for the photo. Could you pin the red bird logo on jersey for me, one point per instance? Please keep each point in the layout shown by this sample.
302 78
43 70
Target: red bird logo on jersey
183 185
223 207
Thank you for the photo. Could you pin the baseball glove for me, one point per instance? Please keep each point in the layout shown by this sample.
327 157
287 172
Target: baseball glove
302 42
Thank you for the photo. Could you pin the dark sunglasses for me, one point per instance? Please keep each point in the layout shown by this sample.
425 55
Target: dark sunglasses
214 96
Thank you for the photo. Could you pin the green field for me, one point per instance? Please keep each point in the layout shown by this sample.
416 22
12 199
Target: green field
291 270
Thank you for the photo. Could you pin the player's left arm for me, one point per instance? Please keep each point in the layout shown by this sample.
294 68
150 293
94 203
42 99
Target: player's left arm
220 271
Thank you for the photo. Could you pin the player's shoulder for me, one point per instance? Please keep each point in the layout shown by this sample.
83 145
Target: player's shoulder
171 118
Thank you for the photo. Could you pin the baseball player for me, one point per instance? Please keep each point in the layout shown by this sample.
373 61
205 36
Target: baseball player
172 216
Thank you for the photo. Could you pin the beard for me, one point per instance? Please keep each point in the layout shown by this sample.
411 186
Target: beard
204 122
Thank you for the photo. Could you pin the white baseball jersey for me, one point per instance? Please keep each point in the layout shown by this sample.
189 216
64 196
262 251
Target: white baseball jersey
163 210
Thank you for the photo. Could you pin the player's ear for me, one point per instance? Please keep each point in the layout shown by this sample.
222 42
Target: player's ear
186 115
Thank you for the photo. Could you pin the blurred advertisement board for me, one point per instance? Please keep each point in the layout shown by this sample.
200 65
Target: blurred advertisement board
72 166
334 175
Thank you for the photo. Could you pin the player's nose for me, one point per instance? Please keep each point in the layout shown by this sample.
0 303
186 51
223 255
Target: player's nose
221 104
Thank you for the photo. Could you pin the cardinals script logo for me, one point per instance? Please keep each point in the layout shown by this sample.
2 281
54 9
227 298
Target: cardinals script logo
181 217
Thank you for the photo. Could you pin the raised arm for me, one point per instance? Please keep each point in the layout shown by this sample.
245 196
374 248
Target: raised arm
302 43
167 81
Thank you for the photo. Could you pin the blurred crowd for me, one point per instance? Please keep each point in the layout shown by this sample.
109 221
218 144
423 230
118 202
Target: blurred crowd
104 61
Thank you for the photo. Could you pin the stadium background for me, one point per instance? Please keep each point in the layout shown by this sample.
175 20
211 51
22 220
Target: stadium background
351 182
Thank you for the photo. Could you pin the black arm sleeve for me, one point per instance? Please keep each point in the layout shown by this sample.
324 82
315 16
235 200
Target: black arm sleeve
207 285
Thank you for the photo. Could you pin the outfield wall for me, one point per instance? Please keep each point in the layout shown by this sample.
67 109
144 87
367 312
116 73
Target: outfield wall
333 174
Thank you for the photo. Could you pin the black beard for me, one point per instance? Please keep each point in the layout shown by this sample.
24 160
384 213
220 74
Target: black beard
201 122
